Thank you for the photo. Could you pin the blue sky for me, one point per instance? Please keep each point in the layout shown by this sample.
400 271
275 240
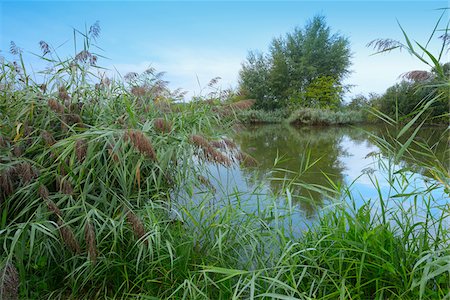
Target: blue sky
205 39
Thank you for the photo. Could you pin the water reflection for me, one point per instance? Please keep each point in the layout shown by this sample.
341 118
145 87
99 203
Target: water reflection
338 154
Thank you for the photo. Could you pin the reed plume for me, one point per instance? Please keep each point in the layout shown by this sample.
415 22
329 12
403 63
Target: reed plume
43 192
89 236
64 185
138 91
25 172
162 125
209 153
218 144
3 142
81 149
55 106
230 144
68 237
136 225
9 282
52 207
44 47
6 183
417 75
17 150
141 143
62 93
242 105
48 138
246 159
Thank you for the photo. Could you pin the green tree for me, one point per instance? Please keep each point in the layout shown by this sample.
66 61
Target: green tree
309 55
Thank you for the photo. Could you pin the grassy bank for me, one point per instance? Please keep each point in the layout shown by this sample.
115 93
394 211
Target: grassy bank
89 170
304 116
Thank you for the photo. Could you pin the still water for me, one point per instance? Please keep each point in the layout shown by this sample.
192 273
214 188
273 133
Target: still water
314 162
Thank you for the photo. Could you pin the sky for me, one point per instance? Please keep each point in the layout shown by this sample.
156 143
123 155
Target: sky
196 41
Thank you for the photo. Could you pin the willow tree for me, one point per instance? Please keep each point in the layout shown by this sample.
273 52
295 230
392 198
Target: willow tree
303 57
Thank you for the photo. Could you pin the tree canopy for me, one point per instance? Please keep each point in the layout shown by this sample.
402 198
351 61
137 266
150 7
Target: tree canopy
296 67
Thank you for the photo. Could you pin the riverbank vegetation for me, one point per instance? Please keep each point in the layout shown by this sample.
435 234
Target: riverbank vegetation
89 172
299 81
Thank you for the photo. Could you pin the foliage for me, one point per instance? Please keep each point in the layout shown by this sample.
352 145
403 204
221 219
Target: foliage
405 99
312 55
262 116
309 116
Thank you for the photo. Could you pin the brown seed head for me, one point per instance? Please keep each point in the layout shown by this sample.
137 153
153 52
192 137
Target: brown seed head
230 144
81 149
62 93
246 159
43 192
242 105
208 151
17 150
55 106
6 183
89 236
9 282
141 143
136 224
53 208
68 237
218 144
25 172
162 125
48 138
64 185
199 141
3 142
138 91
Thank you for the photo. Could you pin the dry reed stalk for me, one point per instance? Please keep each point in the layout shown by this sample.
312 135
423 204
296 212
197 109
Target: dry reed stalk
141 143
162 125
136 224
9 282
89 236
48 138
246 159
55 106
81 149
68 237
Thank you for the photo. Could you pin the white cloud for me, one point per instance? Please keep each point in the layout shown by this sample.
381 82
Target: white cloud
187 68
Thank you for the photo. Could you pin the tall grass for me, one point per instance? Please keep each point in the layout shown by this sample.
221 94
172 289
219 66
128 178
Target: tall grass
89 171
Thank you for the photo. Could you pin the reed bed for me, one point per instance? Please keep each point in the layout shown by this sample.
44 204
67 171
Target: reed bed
88 208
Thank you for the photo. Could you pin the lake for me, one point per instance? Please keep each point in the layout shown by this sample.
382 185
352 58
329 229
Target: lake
312 162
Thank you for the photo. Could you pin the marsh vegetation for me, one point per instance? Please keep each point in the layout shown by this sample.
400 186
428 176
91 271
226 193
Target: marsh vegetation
107 191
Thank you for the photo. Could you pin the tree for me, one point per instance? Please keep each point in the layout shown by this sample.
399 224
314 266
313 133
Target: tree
306 56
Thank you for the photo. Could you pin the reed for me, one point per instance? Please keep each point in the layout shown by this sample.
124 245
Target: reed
9 282
89 237
141 143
